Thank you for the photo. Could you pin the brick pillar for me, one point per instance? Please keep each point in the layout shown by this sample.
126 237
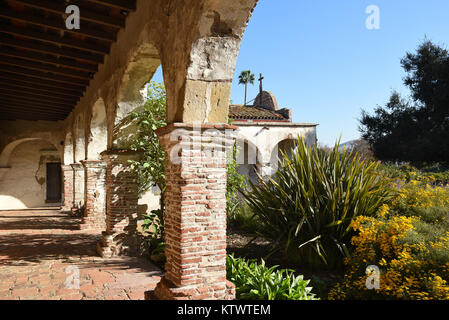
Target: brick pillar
195 213
94 217
121 204
67 174
78 187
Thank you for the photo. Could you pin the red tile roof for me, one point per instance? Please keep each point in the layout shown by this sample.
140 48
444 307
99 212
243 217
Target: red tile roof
254 113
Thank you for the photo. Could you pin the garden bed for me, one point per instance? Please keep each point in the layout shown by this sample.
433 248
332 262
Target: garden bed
241 244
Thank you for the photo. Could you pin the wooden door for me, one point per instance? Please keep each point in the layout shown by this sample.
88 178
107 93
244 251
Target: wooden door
54 182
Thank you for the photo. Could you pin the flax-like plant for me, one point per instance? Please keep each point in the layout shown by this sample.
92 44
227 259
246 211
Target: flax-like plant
307 207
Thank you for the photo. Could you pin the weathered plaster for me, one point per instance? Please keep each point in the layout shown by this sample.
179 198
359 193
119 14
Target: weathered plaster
98 136
269 139
12 133
68 149
24 184
80 139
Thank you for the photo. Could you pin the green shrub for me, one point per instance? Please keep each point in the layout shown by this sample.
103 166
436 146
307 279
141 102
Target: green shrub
234 182
255 281
307 207
244 219
435 174
153 226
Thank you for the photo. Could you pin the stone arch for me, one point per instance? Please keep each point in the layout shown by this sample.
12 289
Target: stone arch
249 158
38 132
23 172
97 141
5 155
285 145
80 139
131 94
7 151
201 94
249 153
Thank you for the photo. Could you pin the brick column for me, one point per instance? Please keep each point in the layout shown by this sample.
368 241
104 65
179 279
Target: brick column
78 187
67 174
94 217
195 212
121 204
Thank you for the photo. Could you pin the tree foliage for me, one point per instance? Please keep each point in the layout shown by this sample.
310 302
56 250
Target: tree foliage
151 167
416 129
246 77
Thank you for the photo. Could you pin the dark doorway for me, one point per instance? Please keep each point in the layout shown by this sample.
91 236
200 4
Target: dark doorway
53 182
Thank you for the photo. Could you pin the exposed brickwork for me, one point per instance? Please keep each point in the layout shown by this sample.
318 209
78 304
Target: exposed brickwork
121 204
94 217
195 216
67 174
78 187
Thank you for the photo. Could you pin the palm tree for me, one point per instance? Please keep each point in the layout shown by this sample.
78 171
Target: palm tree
245 78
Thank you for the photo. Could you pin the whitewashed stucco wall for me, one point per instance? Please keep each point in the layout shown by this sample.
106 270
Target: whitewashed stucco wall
23 184
266 138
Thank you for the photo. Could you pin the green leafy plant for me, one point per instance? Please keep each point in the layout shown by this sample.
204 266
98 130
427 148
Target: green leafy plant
235 182
151 167
307 207
255 281
153 226
435 173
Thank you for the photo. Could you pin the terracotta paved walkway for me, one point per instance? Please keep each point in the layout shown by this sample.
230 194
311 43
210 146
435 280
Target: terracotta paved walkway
41 251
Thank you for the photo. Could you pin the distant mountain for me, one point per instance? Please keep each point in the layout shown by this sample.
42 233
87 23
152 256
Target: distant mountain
347 144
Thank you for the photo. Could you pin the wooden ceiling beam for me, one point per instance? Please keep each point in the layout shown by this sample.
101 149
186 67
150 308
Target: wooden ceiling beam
23 83
16 117
44 68
119 4
37 114
54 39
18 113
39 99
72 64
37 94
31 108
57 24
35 97
24 100
50 49
88 14
43 75
56 86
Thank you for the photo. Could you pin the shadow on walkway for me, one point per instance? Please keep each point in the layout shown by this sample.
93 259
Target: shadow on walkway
41 250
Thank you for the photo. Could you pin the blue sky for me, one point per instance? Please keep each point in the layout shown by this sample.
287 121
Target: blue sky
320 60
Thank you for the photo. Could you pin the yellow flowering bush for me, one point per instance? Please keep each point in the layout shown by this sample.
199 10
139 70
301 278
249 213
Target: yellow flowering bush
408 242
422 193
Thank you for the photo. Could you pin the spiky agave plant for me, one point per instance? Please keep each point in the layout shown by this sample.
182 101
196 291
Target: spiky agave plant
307 207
